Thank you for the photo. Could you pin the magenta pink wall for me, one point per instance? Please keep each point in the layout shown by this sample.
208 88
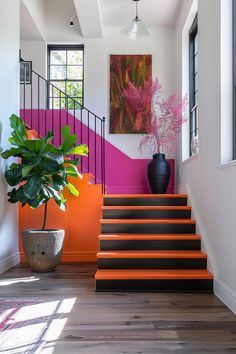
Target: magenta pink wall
123 174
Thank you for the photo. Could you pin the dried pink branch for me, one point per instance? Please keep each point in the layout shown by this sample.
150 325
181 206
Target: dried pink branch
167 115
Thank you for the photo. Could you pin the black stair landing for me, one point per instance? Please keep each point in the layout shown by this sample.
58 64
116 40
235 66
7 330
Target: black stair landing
148 243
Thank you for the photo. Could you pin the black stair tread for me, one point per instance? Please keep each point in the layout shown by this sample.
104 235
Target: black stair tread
151 254
117 237
113 274
147 221
144 196
146 207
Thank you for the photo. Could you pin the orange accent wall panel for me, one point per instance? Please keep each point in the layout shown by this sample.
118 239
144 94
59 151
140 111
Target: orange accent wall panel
80 221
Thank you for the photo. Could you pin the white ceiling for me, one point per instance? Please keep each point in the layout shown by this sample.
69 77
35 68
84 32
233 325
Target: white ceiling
112 13
28 28
117 13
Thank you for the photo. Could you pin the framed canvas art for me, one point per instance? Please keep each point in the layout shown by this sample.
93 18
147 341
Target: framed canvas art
125 68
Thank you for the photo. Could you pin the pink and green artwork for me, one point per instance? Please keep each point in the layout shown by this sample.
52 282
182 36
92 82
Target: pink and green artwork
137 69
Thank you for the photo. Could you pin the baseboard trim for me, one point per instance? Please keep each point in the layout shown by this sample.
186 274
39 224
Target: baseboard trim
225 294
71 257
9 262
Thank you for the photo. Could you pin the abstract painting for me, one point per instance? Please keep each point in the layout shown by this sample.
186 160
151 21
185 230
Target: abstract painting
124 68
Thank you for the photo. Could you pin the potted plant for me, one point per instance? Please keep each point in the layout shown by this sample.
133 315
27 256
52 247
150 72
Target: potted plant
162 119
40 174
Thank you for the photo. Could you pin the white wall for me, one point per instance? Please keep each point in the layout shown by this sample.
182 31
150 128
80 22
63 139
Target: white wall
97 52
9 96
36 51
211 186
37 10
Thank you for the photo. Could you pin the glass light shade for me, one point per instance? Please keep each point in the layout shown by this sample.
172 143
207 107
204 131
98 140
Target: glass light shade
136 29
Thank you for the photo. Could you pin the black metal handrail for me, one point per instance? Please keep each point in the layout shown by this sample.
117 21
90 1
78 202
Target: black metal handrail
43 114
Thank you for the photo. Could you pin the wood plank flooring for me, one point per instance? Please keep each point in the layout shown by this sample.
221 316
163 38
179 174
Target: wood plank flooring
138 323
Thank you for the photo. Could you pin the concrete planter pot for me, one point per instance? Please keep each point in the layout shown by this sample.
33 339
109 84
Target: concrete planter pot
43 248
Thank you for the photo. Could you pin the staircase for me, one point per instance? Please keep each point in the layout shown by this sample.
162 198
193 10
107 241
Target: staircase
148 243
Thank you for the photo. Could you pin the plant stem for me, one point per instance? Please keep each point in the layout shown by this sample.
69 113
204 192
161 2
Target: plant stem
45 215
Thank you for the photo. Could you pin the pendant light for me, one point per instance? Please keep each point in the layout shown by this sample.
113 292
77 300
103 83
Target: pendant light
136 29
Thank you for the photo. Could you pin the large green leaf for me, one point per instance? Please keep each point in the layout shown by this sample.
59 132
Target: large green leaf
72 171
59 182
16 152
32 187
50 135
74 162
79 150
68 139
14 175
26 170
72 189
58 157
49 166
19 127
12 196
58 197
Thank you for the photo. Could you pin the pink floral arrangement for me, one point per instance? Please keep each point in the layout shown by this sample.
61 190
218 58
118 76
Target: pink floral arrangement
163 121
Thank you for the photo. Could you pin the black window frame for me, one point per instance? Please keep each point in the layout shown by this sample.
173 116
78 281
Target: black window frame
234 75
64 47
193 89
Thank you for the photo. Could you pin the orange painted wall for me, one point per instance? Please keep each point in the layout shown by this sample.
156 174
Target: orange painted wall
80 221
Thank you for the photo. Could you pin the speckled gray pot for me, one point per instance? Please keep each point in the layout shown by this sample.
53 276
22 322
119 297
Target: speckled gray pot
43 248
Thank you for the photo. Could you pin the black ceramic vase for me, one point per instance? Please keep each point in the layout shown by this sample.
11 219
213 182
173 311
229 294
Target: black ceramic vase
159 174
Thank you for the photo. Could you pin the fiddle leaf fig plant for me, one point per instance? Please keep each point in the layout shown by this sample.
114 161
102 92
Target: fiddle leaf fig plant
42 170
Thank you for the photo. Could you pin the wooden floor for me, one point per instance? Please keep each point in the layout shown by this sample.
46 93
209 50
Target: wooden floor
137 323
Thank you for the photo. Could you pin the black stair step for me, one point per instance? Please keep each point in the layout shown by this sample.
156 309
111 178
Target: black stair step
149 242
152 260
150 226
154 280
146 212
145 199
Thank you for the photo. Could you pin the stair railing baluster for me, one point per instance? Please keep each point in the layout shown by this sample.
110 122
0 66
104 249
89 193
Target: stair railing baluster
31 104
45 110
104 156
88 139
24 89
81 136
95 149
67 110
60 137
101 152
39 125
52 87
74 104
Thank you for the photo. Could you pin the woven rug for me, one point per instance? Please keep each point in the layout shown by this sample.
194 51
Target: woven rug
24 325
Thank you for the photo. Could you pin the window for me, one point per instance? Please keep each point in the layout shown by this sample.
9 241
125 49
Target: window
193 82
66 72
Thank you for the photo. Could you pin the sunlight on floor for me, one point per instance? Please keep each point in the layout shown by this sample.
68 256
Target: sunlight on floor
25 328
17 280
